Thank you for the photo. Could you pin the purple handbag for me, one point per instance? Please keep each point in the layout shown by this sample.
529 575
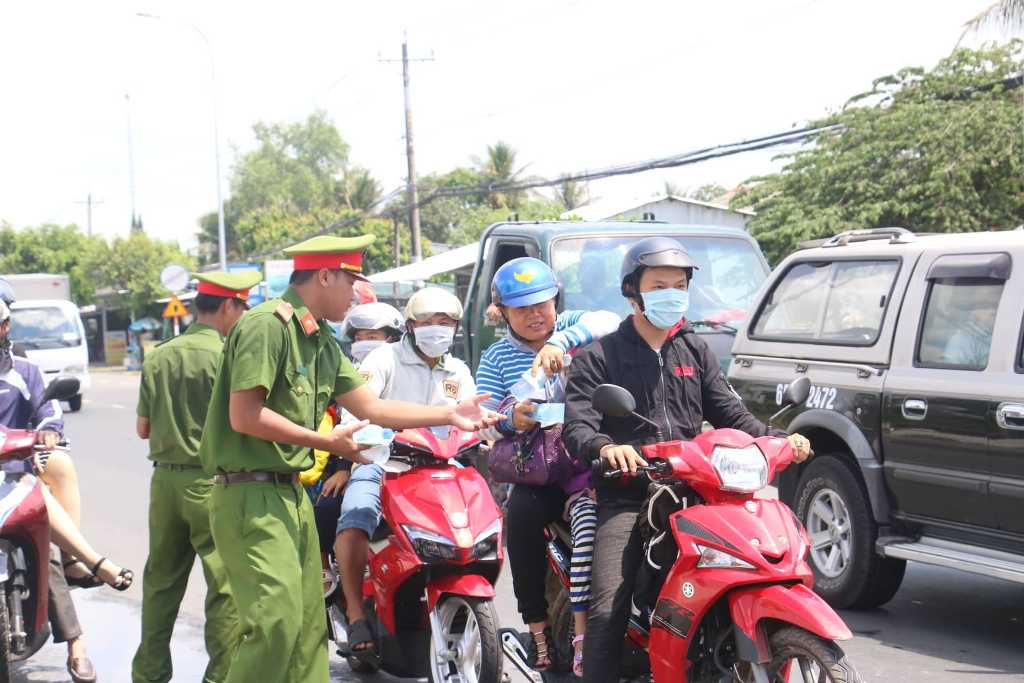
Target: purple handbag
537 457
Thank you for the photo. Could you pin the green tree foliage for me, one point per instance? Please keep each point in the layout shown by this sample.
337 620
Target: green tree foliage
934 151
498 166
708 192
571 194
55 249
134 264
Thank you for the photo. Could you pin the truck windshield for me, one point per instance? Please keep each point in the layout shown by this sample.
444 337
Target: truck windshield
731 271
46 327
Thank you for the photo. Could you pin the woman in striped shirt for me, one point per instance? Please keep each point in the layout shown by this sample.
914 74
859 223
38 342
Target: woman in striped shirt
526 293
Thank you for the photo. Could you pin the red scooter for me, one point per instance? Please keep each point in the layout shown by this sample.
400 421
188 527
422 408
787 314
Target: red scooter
728 596
24 542
433 564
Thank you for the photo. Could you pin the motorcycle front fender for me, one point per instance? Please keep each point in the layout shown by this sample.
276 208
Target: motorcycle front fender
466 585
797 605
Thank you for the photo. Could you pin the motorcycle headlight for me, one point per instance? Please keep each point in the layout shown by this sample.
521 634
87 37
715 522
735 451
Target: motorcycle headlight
430 547
713 558
743 470
485 547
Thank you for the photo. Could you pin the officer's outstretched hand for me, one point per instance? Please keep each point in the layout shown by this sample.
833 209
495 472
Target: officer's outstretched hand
470 415
341 441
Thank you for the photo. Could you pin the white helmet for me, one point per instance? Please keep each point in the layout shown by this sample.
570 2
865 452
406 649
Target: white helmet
372 316
431 300
5 311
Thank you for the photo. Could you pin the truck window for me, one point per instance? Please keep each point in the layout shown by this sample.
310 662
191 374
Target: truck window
730 273
43 328
960 314
837 302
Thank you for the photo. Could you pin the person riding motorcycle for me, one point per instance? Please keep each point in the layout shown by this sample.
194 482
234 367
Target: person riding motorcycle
525 292
677 383
21 407
369 326
419 367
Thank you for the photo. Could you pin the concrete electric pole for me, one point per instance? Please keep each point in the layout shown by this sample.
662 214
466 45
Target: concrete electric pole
412 198
89 201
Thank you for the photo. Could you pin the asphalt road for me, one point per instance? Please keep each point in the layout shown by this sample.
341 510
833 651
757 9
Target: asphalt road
943 626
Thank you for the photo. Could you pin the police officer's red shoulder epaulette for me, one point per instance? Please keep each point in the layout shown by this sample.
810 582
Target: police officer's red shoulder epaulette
284 311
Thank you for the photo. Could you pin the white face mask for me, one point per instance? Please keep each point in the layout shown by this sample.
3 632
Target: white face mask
434 340
361 349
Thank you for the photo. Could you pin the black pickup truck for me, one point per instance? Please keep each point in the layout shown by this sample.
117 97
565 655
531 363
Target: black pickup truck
913 344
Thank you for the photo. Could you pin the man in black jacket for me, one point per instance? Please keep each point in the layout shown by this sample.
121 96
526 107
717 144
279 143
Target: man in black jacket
677 383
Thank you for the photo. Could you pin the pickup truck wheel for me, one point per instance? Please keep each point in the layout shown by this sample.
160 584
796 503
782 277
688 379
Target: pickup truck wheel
834 507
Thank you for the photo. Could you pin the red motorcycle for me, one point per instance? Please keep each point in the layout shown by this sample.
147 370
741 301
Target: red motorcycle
24 542
433 564
724 594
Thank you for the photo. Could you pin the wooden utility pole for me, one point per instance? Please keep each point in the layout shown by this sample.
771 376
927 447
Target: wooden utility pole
411 196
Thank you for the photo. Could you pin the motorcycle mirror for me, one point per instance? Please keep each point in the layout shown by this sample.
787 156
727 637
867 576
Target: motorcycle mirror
797 391
613 400
63 388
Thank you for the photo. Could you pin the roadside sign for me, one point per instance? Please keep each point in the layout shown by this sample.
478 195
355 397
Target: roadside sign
175 309
174 278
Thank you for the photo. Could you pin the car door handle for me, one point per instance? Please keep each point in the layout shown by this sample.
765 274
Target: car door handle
1010 416
915 408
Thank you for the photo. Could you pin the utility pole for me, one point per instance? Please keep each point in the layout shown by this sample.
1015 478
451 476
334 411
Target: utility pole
89 201
131 155
412 199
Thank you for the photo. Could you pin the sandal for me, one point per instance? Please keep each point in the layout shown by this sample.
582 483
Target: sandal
124 577
86 580
539 658
577 657
81 670
359 633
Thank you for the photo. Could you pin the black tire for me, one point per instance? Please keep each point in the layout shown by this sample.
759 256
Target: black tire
790 643
563 629
5 639
491 653
75 403
867 580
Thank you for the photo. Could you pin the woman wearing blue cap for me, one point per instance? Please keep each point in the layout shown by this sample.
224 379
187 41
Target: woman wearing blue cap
526 292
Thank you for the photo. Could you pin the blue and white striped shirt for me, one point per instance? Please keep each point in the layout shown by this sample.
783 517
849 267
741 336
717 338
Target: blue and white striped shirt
505 361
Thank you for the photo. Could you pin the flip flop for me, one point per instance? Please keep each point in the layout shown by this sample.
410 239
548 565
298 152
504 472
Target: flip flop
124 577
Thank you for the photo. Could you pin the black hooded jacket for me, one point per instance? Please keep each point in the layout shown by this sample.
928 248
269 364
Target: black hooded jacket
678 388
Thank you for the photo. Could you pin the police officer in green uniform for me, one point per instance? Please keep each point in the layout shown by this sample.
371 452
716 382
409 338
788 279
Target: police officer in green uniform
177 380
280 368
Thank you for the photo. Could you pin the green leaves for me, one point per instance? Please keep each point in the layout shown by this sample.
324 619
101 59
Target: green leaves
933 151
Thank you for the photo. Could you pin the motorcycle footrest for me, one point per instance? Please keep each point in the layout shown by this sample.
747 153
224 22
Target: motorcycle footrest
512 646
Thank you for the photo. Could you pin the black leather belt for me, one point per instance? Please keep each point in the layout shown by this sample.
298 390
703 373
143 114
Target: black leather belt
174 467
227 478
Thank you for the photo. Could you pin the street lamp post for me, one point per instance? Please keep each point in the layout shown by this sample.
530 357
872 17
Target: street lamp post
221 239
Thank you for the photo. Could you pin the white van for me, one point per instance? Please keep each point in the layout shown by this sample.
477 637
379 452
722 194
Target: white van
51 333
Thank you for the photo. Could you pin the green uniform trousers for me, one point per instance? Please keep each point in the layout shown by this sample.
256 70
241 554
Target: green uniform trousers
179 529
266 534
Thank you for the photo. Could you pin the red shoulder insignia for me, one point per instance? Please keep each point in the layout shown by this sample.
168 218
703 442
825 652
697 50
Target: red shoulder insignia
284 311
309 324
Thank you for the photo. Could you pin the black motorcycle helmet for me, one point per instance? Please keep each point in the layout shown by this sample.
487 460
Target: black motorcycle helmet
652 252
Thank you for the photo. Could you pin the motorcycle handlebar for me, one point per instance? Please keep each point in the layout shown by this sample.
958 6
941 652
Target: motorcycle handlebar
602 469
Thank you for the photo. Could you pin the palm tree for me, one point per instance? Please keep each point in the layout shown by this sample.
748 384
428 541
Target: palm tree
1007 15
572 194
361 190
499 168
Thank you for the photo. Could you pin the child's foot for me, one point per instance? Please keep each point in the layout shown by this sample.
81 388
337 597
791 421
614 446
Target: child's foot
577 656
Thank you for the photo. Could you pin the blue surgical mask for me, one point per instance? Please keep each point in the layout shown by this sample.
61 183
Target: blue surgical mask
665 307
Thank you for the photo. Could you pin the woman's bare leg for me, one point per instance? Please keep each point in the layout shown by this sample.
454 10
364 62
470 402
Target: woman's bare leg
69 539
62 478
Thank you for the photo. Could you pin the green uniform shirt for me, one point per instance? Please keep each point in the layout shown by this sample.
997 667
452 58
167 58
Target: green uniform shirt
297 361
174 394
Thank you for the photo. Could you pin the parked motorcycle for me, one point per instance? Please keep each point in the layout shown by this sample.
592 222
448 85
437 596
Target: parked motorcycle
433 564
24 542
724 594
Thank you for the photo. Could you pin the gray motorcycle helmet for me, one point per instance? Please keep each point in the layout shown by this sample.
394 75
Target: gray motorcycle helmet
653 252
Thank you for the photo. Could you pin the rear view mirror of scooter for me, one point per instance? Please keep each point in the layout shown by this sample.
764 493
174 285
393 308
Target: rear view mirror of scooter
63 388
614 401
795 394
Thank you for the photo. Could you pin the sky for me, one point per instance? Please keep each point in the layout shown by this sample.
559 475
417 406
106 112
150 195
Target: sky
570 84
